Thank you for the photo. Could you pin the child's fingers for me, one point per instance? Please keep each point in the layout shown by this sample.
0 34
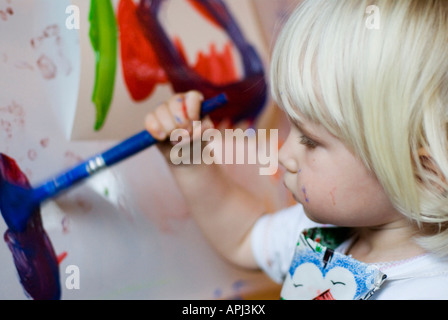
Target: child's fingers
192 105
160 123
178 109
154 127
207 123
178 112
166 120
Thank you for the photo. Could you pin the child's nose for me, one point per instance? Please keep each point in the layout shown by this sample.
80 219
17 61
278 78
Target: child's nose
286 156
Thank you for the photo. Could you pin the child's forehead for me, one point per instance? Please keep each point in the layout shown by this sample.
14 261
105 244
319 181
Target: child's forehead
308 127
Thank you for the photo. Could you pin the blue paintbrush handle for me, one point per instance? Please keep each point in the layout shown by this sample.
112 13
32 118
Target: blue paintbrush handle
124 150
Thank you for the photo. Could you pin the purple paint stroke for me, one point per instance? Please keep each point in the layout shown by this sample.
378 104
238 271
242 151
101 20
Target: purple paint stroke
305 194
247 97
32 251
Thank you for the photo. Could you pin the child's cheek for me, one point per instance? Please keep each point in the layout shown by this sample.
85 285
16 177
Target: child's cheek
332 194
322 198
305 194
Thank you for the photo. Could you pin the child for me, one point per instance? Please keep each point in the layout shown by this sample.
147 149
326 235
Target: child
367 152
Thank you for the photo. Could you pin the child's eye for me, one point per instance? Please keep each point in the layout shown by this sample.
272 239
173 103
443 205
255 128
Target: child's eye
307 142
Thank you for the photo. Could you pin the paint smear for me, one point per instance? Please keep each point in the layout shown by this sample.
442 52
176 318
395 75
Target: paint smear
333 198
32 251
47 67
32 154
149 57
141 69
5 14
44 142
305 194
104 39
214 72
61 257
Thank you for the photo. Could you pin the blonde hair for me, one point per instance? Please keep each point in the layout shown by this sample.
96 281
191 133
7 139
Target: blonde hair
383 92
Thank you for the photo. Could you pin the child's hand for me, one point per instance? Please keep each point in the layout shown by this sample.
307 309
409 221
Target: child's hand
178 112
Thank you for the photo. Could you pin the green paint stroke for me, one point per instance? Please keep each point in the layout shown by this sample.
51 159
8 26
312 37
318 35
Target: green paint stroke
104 38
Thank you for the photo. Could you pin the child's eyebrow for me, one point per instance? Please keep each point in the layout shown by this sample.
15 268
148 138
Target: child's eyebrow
301 127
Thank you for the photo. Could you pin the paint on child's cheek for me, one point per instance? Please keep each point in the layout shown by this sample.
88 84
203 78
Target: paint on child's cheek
333 198
305 194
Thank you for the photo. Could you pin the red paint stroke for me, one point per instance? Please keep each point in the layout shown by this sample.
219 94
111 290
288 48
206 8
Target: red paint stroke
149 57
246 94
141 69
184 110
203 11
61 257
218 68
32 251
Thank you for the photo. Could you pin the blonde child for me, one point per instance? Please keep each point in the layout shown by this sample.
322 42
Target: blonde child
367 151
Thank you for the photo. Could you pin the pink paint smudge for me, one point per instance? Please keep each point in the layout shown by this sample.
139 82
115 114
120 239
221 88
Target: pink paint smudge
5 14
47 67
72 158
6 127
32 154
65 223
44 142
83 204
23 65
12 114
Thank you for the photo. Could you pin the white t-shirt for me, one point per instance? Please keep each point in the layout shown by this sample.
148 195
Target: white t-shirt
274 238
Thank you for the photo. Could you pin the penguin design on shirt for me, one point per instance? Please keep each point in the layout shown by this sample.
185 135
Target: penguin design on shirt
319 272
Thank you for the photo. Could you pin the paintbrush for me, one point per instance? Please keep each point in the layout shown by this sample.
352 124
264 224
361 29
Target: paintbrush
17 203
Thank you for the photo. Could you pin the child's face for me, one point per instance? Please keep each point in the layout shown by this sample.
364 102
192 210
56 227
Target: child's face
331 183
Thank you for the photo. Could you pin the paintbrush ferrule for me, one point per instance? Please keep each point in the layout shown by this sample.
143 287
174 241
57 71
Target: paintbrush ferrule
96 164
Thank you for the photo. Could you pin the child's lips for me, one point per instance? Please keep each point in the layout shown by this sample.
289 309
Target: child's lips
292 192
286 185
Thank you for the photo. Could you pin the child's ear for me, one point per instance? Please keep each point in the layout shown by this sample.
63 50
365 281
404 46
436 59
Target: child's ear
428 163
